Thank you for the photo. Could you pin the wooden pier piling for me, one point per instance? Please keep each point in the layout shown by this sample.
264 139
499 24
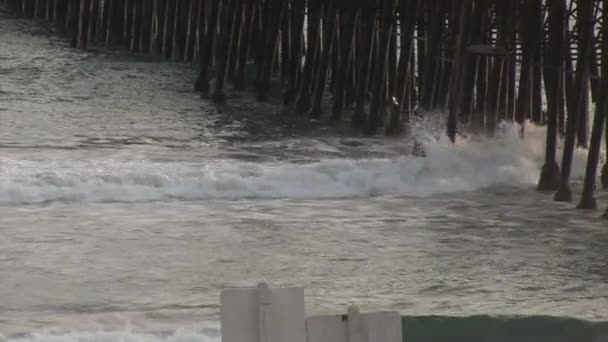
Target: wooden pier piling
588 201
381 62
554 50
575 113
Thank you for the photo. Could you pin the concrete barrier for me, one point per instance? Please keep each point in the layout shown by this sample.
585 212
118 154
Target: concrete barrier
278 315
330 328
382 327
355 327
263 315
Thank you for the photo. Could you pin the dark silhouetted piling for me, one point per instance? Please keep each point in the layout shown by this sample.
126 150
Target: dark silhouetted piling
554 50
328 39
564 193
588 201
382 61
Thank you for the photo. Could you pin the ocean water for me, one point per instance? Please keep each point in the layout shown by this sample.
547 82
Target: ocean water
127 204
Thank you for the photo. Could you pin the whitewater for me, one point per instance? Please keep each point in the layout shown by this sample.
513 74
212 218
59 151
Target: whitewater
503 160
127 204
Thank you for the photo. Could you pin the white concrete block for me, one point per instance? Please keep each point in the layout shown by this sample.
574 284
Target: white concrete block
331 328
382 327
263 315
239 315
367 327
355 325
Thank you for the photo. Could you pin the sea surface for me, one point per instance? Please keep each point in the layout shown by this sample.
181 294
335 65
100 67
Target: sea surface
127 203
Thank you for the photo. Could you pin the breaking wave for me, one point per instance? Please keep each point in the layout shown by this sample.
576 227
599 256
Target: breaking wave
470 164
415 329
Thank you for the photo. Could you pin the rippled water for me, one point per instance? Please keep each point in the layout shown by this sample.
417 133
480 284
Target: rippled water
127 203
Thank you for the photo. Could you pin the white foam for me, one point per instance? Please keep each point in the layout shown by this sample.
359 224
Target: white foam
118 336
468 165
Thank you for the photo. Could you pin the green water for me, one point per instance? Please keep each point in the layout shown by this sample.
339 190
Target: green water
502 329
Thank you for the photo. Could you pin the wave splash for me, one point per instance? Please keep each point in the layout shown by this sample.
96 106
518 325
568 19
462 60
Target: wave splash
415 328
470 164
175 336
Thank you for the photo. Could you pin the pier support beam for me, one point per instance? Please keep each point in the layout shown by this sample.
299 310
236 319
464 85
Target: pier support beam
459 71
72 21
588 200
312 50
403 91
83 23
564 194
298 9
272 17
531 41
366 41
206 51
347 22
550 174
329 37
379 85
229 6
605 172
248 14
605 168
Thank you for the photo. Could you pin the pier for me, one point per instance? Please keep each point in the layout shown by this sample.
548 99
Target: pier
380 64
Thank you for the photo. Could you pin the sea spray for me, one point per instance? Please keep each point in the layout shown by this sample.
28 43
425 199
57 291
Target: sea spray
117 336
415 329
473 163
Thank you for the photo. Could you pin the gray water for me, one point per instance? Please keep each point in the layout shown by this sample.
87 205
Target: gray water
127 203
